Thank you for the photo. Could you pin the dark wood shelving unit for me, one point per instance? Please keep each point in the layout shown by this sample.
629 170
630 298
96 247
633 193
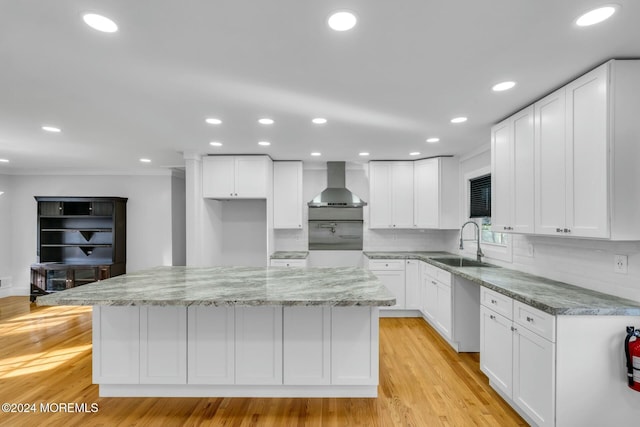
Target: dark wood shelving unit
80 240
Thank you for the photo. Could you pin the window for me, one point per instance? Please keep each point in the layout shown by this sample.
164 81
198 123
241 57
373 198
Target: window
480 197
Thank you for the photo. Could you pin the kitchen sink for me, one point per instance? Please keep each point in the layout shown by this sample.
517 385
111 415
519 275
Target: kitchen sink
461 262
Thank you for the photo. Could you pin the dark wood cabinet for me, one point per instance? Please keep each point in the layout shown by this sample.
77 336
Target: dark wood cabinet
80 240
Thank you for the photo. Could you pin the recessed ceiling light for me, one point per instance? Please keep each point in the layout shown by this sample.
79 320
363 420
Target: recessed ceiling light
503 86
364 153
319 120
459 120
342 21
51 129
596 16
315 153
432 140
265 143
145 160
215 144
4 160
100 23
213 121
266 121
414 153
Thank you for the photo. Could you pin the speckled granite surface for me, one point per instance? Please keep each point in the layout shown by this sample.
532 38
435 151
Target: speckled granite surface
547 295
225 286
290 255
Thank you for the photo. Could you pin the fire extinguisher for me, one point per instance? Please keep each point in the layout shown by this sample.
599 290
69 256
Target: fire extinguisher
632 351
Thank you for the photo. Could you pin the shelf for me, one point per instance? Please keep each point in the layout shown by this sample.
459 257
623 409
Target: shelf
76 216
80 230
76 245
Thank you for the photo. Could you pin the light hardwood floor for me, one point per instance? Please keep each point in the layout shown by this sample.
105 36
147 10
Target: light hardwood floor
45 357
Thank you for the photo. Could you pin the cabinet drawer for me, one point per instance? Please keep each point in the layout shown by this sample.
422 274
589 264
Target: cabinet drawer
437 273
539 322
289 263
386 264
497 302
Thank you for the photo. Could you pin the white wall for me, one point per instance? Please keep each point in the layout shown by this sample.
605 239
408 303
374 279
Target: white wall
149 216
244 240
581 262
5 234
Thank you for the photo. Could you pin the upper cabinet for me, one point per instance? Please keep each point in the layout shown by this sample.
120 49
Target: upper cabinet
435 203
287 194
390 194
235 177
512 174
585 159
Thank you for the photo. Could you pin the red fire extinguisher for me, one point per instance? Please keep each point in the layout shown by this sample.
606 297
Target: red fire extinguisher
632 351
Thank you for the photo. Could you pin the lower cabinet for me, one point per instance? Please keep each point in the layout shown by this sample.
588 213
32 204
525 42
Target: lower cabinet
437 303
519 362
237 346
301 263
402 278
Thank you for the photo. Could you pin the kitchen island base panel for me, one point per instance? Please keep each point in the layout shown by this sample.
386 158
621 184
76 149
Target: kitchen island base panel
206 351
199 390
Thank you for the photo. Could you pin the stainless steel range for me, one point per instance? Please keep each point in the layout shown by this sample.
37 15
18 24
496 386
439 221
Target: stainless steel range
335 215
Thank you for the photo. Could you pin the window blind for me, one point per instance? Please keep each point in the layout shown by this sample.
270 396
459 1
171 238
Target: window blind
480 197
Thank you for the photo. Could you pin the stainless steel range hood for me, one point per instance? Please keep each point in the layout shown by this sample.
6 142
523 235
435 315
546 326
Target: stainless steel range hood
336 194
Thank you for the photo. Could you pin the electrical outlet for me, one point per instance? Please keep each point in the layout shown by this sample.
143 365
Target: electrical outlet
620 264
530 249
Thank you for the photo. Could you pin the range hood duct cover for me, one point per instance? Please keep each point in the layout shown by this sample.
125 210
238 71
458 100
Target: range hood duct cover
336 194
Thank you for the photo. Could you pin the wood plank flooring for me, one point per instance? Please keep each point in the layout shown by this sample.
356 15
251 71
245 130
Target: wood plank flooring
45 357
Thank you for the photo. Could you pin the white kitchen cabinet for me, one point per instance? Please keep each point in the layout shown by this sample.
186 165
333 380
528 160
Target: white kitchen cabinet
163 345
116 345
391 194
231 177
307 345
512 173
258 345
394 281
584 172
436 193
438 298
211 345
300 263
412 284
287 195
517 353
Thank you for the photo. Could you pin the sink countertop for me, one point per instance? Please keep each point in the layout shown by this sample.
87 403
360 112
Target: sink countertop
290 255
231 286
548 295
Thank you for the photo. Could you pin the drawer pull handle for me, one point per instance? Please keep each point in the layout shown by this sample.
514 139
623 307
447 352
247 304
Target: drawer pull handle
494 301
514 329
492 317
529 319
558 230
434 282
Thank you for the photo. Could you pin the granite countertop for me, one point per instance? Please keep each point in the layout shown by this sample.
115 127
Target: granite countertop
548 295
229 286
290 255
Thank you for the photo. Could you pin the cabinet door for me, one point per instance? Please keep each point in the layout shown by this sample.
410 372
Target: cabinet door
211 345
523 178
394 281
300 263
534 376
427 193
588 155
444 310
218 176
550 155
307 345
380 195
501 177
163 345
496 354
251 177
116 345
412 285
430 297
259 345
287 195
402 195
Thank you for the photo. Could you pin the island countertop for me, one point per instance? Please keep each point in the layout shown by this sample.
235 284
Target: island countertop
231 286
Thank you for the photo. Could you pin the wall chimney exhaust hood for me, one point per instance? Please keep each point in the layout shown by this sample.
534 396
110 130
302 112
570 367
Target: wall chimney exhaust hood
336 194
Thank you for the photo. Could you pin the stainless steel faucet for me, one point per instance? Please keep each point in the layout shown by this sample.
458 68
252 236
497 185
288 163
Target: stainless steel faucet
479 253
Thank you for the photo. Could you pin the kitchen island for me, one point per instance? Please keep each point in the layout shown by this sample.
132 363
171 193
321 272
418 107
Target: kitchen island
234 331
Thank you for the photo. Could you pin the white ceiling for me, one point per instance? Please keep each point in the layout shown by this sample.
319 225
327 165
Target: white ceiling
407 68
